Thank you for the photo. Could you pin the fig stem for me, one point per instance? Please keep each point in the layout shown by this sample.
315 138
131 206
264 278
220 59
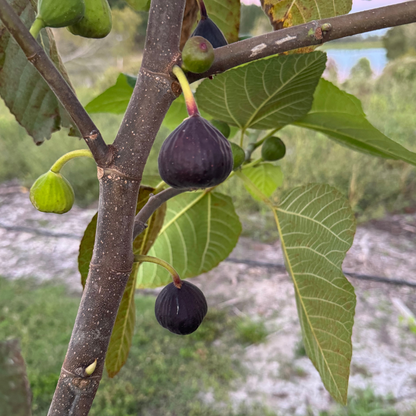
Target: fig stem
58 165
187 92
252 164
202 9
36 27
139 258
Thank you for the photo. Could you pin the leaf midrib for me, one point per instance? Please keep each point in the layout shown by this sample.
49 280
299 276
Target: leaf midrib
291 272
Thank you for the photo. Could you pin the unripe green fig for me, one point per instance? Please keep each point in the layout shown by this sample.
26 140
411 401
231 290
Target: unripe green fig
197 55
273 149
222 126
238 155
60 13
96 22
195 155
52 192
181 311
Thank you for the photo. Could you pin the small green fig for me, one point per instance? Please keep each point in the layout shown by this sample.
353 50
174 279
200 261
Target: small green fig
96 22
197 55
238 155
273 149
222 126
52 192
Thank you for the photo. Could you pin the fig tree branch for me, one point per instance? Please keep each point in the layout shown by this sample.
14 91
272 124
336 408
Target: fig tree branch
113 258
154 202
40 60
316 32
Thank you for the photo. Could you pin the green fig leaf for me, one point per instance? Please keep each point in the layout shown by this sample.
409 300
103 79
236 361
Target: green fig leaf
266 177
317 227
200 230
226 15
23 90
285 13
340 116
139 5
265 94
114 99
141 244
122 335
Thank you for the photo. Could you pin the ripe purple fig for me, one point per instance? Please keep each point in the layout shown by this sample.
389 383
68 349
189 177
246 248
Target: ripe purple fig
181 311
195 155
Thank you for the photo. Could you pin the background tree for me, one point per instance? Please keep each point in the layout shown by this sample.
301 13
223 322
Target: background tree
315 224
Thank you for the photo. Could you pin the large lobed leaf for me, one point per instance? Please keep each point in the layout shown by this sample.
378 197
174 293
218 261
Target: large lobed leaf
340 116
316 227
285 13
264 94
23 90
200 231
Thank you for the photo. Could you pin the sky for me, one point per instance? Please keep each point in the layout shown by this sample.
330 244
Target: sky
358 5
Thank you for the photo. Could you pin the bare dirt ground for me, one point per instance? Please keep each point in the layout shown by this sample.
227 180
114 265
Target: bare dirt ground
46 246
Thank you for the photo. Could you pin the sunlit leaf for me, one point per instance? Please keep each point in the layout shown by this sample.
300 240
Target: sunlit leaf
285 13
266 177
23 90
340 116
264 94
316 227
200 231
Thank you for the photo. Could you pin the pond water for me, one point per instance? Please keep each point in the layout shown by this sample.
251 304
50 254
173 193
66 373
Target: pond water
345 59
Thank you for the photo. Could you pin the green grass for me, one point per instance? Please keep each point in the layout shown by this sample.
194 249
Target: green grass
165 374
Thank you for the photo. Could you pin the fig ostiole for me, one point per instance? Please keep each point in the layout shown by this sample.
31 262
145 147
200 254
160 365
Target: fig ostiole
195 155
197 55
52 193
208 29
273 149
53 13
181 310
96 22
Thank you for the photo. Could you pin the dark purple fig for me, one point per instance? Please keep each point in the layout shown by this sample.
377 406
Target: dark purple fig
208 29
195 155
181 311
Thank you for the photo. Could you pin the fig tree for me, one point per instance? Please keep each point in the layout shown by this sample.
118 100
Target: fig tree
181 310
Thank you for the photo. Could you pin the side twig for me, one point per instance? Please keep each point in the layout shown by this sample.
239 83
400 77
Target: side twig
40 60
316 32
154 202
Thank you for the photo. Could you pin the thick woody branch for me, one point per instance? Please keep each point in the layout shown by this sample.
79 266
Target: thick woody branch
316 32
154 202
119 185
40 60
